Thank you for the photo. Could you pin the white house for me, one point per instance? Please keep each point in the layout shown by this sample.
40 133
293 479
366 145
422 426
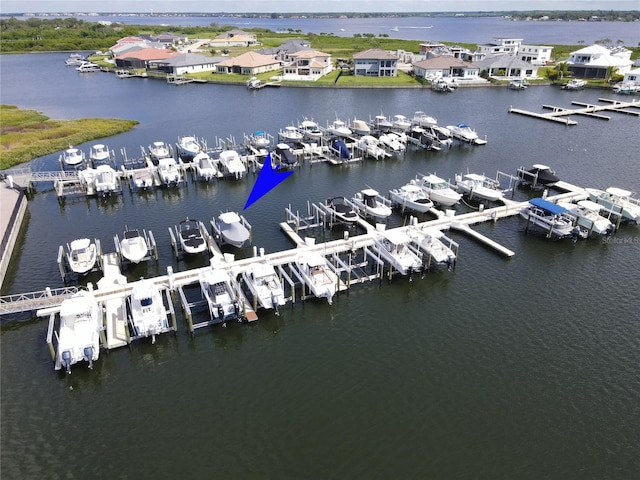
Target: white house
595 60
501 45
186 63
507 66
234 38
307 65
375 63
535 54
632 77
445 66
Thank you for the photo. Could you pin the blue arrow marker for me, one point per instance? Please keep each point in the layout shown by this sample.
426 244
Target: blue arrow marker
268 178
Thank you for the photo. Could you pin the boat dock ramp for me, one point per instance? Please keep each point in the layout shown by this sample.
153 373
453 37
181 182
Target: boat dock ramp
561 114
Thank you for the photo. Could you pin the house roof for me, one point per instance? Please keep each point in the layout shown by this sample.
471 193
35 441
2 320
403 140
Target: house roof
374 54
502 61
148 54
249 59
441 62
593 49
290 46
188 59
308 54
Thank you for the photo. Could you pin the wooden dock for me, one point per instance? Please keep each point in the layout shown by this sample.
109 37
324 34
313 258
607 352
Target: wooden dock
562 114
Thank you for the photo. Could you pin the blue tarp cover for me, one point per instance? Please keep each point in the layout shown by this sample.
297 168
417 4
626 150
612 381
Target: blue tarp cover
547 206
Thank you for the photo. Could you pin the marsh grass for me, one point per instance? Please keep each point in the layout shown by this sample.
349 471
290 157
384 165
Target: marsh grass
28 134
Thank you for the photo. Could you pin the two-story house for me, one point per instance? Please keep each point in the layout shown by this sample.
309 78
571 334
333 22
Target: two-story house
375 63
307 65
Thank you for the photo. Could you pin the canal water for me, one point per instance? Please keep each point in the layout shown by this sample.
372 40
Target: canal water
501 368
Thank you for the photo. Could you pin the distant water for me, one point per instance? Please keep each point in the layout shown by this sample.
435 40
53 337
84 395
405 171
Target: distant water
521 368
443 29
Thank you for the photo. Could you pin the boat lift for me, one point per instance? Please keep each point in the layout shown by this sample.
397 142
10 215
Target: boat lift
174 236
63 261
152 248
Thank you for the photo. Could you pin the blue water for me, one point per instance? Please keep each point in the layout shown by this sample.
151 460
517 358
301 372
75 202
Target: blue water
444 29
520 368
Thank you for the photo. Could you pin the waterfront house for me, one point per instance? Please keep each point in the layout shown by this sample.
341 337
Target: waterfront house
507 66
234 38
307 65
141 58
594 61
535 54
375 63
249 63
287 48
632 77
186 63
501 45
445 66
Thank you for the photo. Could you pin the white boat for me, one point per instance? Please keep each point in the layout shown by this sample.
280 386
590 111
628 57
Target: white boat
371 204
360 127
170 174
231 228
441 135
418 136
575 84
341 210
317 275
134 246
412 197
553 219
381 123
518 84
393 246
79 334
310 130
82 255
618 201
100 154
438 190
588 217
290 134
254 83
393 142
203 167
75 60
370 145
477 186
465 133
265 285
432 242
73 157
626 88
441 85
231 164
106 180
339 129
158 150
188 147
191 235
260 139
148 315
402 123
86 67
221 297
421 119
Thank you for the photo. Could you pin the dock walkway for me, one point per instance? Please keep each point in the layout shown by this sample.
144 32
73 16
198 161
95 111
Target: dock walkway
561 114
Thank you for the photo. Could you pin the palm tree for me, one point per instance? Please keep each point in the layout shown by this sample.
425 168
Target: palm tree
562 68
611 71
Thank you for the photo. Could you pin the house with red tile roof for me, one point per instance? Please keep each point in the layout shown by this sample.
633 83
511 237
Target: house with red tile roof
141 58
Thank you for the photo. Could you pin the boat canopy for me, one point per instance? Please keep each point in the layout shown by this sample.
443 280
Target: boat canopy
547 206
618 192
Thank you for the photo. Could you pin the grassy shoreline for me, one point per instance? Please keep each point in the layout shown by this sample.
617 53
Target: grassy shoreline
28 134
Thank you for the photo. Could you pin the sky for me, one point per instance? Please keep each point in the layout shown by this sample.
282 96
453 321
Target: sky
283 6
